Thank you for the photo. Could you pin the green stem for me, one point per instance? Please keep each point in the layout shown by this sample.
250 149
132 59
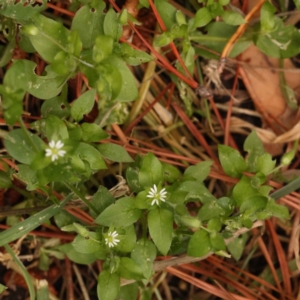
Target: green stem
22 192
23 270
87 203
290 187
22 125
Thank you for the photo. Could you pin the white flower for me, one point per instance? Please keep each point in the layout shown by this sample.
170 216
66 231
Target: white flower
111 239
54 150
157 195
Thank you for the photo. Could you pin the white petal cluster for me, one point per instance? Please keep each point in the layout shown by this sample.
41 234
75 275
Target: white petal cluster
157 195
111 239
54 150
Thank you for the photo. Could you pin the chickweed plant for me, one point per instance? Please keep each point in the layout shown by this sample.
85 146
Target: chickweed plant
165 211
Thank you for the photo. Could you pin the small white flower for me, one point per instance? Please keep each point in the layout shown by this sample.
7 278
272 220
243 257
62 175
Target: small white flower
157 195
111 239
54 150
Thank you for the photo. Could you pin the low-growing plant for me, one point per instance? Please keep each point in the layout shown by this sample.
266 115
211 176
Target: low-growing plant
163 211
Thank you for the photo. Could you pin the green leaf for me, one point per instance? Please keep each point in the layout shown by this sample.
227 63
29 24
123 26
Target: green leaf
108 285
218 34
83 105
122 213
276 210
5 181
111 25
143 255
214 224
55 173
141 200
243 191
132 178
224 2
284 42
254 204
64 63
17 71
128 91
196 192
43 87
75 133
2 288
91 155
18 145
177 197
123 17
88 22
77 257
189 221
49 38
26 174
114 152
255 148
232 18
202 17
199 244
108 85
57 106
265 164
267 19
128 269
31 223
215 9
138 57
144 3
160 222
103 47
63 218
127 239
92 132
88 244
171 173
297 3
20 11
210 210
151 171
200 171
20 78
167 12
44 261
129 291
102 199
232 162
12 103
287 157
180 18
236 246
227 204
52 127
24 43
163 39
217 242
7 53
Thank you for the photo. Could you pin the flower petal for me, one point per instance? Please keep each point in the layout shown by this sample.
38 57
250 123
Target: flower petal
61 152
52 144
48 152
54 157
59 145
